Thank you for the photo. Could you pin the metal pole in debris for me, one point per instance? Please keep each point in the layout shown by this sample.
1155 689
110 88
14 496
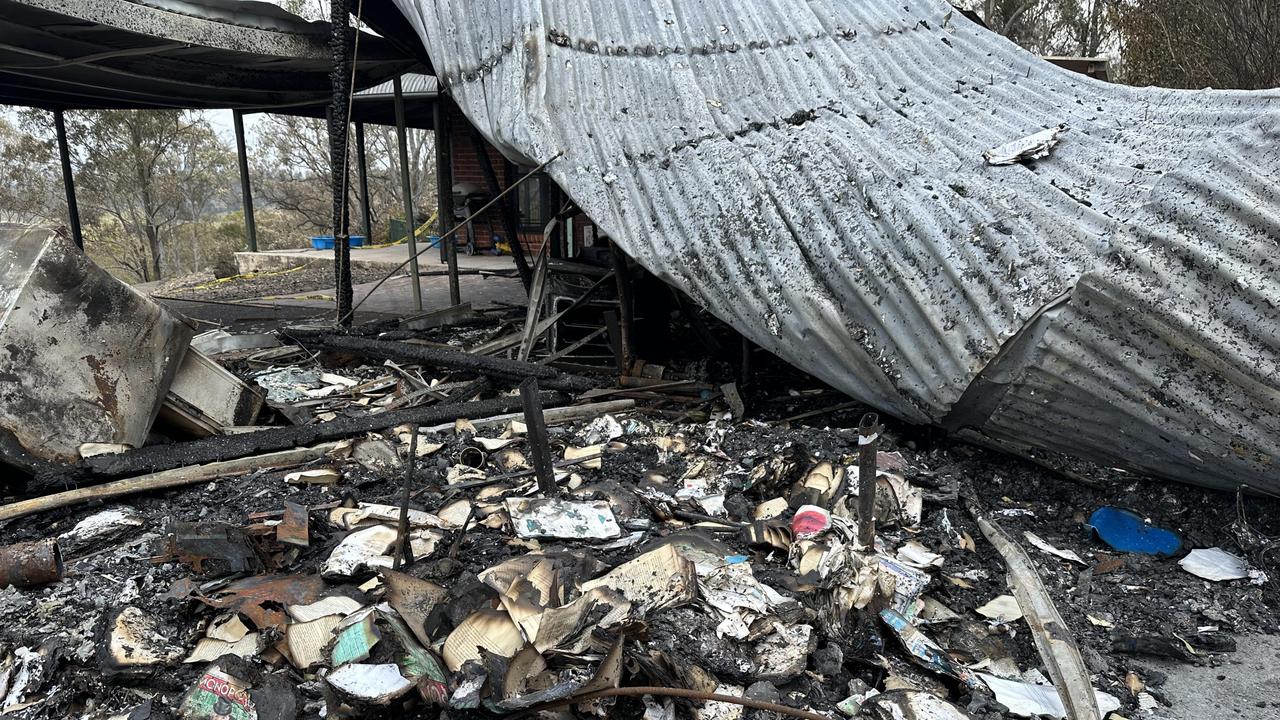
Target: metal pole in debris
626 303
362 170
406 189
246 191
68 180
403 554
444 190
869 430
536 431
30 564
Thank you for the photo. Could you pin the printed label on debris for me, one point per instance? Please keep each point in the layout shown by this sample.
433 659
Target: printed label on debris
219 696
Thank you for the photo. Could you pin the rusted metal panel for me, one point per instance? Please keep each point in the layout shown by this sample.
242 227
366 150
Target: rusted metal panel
83 357
295 526
813 173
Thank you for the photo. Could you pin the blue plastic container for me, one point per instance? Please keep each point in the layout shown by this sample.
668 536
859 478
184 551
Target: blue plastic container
325 242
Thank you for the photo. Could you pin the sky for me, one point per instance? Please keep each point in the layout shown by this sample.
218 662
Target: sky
225 127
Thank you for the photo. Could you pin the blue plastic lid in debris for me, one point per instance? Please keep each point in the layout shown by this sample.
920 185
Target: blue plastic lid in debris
1127 532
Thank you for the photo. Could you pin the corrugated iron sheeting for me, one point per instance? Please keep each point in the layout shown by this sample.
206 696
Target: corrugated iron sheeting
812 173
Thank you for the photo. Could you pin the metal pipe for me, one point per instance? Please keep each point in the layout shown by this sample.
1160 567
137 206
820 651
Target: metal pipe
406 188
444 190
869 429
246 191
362 171
30 564
472 456
68 179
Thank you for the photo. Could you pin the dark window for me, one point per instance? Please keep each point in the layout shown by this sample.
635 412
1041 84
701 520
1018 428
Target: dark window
532 200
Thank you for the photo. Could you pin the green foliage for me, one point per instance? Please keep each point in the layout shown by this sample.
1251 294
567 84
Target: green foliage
30 184
1195 44
291 174
146 181
1171 43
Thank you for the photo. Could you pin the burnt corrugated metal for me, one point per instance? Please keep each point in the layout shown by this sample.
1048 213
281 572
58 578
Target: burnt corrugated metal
148 54
411 85
812 172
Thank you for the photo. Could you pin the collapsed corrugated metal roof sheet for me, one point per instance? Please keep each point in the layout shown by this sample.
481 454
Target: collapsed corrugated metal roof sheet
813 173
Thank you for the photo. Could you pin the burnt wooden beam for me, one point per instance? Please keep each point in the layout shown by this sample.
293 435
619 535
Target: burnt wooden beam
155 458
514 370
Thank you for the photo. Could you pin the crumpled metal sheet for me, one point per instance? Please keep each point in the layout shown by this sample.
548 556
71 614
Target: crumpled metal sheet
84 358
813 173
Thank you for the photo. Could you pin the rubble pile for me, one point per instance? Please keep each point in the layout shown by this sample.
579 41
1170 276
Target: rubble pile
467 513
682 563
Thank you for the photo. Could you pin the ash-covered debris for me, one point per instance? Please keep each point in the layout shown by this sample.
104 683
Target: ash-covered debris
459 518
687 564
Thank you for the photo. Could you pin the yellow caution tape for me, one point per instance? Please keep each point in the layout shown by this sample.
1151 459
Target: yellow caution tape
246 276
416 233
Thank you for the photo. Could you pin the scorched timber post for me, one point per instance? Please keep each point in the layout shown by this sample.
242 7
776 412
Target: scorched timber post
246 189
869 430
340 42
68 179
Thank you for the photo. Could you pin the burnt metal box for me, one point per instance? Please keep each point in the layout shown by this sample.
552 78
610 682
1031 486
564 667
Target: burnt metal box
83 356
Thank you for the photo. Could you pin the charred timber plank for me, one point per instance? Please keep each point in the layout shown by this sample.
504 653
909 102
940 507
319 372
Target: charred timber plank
495 366
165 480
224 447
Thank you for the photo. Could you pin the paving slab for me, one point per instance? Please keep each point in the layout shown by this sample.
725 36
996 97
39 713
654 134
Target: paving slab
1244 685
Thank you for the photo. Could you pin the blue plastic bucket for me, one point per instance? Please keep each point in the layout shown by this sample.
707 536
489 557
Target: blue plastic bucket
325 242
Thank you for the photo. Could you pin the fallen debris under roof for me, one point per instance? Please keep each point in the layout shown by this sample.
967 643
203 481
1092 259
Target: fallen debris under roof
676 563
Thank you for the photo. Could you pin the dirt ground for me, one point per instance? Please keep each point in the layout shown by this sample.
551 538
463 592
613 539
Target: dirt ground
313 277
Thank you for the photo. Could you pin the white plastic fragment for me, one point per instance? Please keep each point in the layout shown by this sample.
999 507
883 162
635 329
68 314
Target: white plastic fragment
550 517
93 449
100 527
320 476
1214 564
916 555
1040 544
1001 610
358 550
379 684
1029 700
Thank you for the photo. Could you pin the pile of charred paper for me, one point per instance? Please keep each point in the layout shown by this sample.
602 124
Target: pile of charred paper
384 525
668 557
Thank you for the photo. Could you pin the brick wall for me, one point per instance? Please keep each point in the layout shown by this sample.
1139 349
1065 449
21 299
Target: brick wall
467 169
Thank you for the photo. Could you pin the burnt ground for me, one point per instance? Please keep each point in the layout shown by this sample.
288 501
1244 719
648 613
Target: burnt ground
315 277
1112 596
